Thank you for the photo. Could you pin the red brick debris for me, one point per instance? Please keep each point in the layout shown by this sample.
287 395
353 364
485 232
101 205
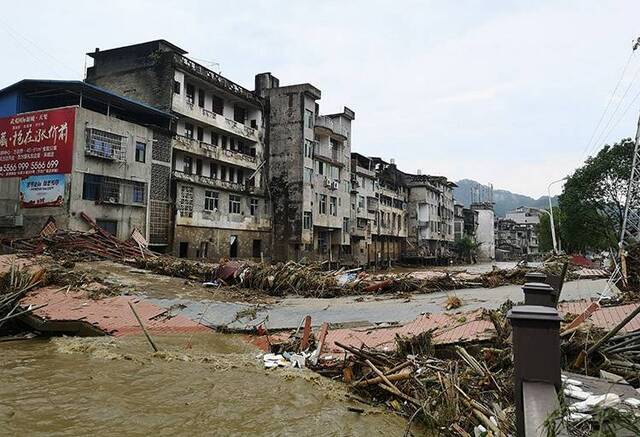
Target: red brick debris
111 315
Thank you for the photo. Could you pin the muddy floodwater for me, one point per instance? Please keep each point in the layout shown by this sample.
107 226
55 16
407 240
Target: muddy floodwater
117 387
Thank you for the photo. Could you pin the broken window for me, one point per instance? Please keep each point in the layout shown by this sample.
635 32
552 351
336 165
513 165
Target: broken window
188 130
217 105
234 204
190 94
322 205
201 97
239 114
253 207
308 118
211 200
333 206
141 151
307 220
185 205
188 165
308 148
176 87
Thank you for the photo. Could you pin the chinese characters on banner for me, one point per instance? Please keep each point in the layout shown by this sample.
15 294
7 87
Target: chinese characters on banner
42 191
37 143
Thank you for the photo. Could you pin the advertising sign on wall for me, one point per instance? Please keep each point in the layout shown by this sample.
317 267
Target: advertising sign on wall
42 191
37 143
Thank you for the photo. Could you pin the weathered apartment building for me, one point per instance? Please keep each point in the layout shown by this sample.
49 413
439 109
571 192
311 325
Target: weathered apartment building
378 223
431 216
485 232
516 234
68 148
309 172
465 222
217 205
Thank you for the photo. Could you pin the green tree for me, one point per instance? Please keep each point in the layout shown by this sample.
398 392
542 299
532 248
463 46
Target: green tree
465 248
593 199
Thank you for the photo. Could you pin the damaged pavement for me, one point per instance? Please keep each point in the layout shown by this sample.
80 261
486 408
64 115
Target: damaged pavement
433 346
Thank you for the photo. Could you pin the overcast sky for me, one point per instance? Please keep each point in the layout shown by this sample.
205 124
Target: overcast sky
507 92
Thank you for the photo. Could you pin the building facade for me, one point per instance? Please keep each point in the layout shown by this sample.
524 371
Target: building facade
103 172
485 233
217 200
431 215
309 168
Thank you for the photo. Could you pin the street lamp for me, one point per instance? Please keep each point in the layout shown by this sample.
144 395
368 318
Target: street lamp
553 226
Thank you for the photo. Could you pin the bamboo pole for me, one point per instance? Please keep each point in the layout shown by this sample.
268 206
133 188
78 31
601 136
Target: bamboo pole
153 345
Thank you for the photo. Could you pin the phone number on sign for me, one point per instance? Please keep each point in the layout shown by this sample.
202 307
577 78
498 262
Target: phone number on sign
21 168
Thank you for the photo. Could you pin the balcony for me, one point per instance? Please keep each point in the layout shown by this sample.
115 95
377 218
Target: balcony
215 183
332 126
201 148
328 154
202 115
215 79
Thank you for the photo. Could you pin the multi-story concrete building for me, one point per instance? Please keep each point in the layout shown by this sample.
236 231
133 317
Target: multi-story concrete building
364 209
470 218
219 203
485 233
309 172
524 215
431 215
458 221
74 148
514 240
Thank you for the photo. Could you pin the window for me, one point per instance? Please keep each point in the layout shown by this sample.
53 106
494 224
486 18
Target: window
307 220
201 97
322 205
91 187
199 167
234 204
188 165
200 134
191 91
308 149
213 170
307 174
291 100
217 104
141 151
185 205
188 130
214 138
321 166
223 173
223 143
360 201
345 225
333 206
176 87
111 226
257 248
138 192
211 200
232 174
105 144
308 118
254 124
239 114
253 207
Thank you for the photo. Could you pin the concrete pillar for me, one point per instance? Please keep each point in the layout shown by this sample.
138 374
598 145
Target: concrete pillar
537 293
536 351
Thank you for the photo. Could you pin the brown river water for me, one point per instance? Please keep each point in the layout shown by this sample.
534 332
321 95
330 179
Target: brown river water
118 387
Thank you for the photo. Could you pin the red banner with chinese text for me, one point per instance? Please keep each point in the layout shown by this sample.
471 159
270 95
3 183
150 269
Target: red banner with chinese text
37 143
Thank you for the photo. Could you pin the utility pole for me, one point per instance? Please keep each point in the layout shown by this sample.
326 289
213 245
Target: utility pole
553 225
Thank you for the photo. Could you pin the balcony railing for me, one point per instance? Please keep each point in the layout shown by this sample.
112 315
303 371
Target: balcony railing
209 117
214 151
215 183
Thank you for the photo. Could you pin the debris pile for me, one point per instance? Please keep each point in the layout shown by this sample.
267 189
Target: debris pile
76 245
15 283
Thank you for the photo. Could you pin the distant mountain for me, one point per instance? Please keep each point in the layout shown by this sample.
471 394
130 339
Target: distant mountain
503 200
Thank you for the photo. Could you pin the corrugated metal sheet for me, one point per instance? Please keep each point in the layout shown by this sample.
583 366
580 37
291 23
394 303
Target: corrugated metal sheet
605 318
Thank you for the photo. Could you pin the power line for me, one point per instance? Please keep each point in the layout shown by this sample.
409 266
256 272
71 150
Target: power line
615 89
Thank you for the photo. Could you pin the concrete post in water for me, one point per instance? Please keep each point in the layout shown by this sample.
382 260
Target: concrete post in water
537 293
536 351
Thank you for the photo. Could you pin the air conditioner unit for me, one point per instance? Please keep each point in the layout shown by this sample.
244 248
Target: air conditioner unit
334 185
327 182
